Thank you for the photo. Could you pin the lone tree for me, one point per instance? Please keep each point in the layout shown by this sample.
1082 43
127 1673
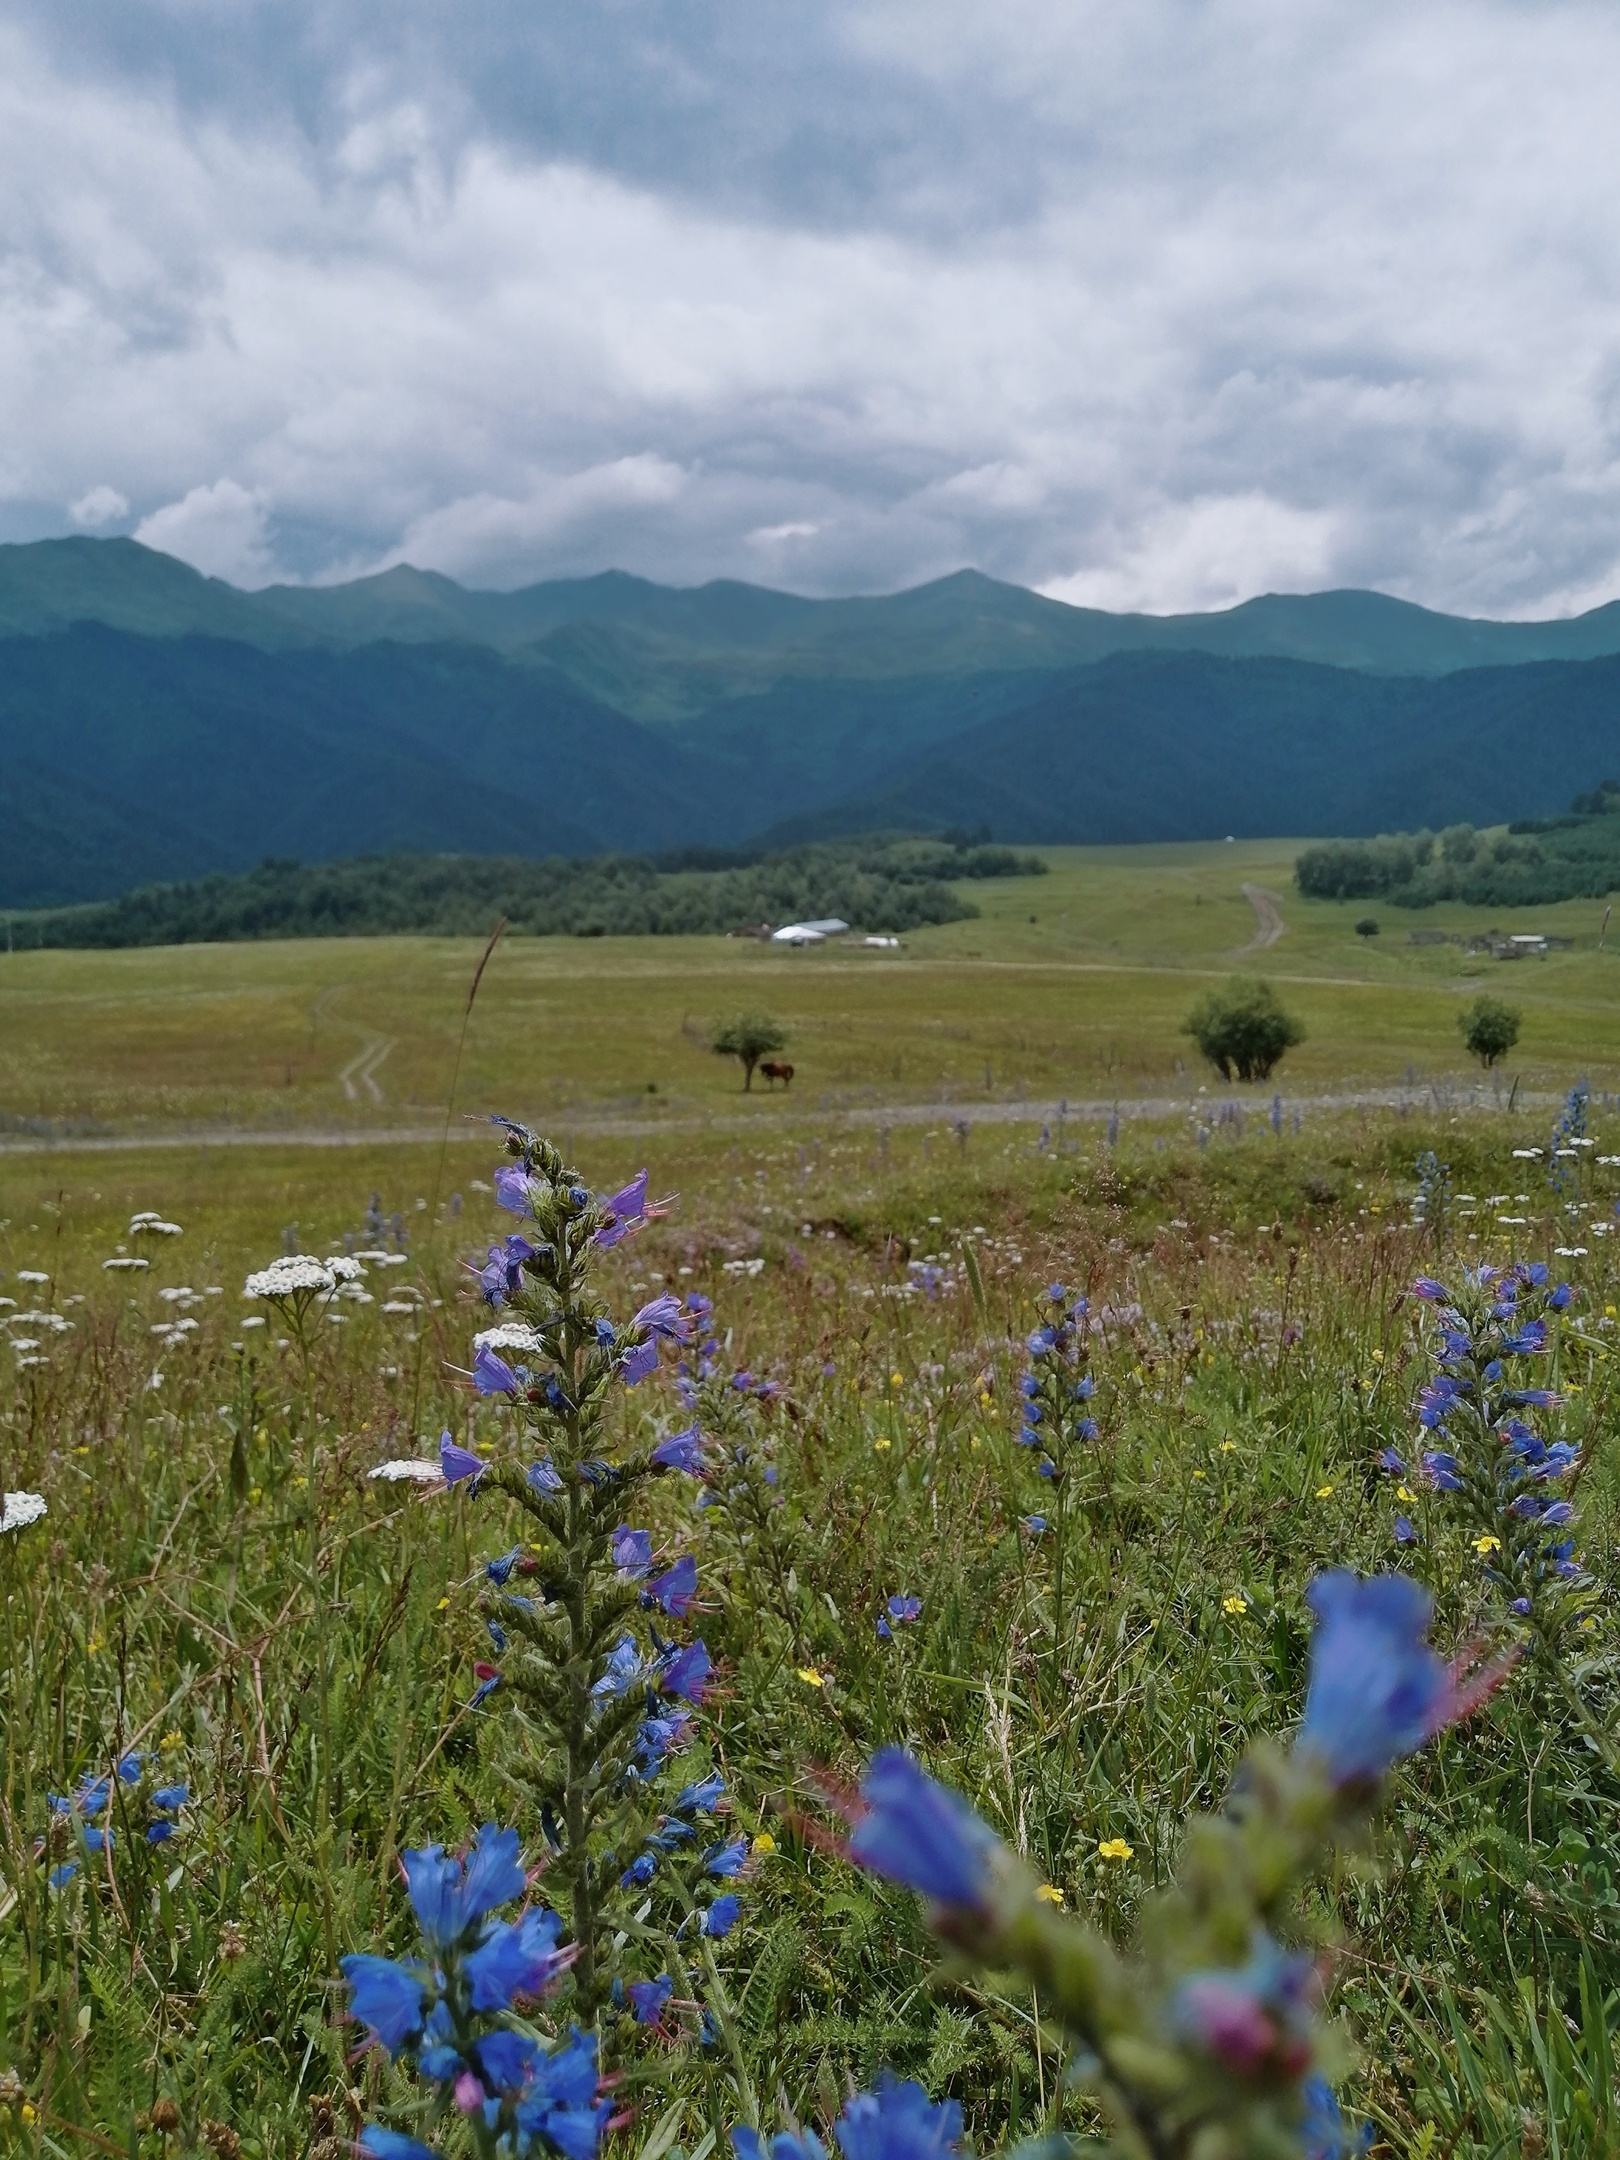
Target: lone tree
1242 1029
1367 927
1489 1029
749 1036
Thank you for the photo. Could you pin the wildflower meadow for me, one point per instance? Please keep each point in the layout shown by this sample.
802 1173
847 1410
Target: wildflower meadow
893 1646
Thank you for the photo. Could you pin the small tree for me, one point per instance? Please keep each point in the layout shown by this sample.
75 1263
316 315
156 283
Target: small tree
1489 1029
1243 1029
1367 927
748 1036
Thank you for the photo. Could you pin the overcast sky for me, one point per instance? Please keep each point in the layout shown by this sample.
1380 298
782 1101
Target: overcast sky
1147 303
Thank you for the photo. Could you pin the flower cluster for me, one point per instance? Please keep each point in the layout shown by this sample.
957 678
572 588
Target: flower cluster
1207 2038
1564 1151
897 2121
601 1689
1432 1205
129 1792
1505 1477
455 2013
1055 1423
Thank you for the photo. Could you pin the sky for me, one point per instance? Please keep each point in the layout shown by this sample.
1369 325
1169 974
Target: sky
1153 305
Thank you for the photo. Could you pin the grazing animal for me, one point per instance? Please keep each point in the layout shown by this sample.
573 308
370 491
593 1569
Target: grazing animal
773 1072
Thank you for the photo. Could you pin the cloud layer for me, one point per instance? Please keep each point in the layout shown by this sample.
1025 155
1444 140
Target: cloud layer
1151 307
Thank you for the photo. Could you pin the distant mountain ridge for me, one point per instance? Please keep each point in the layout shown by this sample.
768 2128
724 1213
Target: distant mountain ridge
156 725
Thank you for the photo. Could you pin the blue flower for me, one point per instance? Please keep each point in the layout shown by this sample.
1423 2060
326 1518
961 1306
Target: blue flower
658 1737
492 1375
665 1317
704 1797
681 1451
786 2145
543 1477
726 1859
1442 1470
393 2144
450 1894
898 2122
170 1797
63 1874
560 2103
721 1916
500 1571
1404 1533
640 1362
1326 2133
687 1672
675 1588
456 1463
1377 1691
386 1997
649 1998
1034 1524
508 2060
640 1872
159 1833
904 1609
514 1190
623 1669
1390 1461
624 1210
632 1550
515 1958
918 1833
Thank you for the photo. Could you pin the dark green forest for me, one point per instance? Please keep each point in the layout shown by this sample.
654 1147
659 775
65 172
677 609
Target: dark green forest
879 883
1534 862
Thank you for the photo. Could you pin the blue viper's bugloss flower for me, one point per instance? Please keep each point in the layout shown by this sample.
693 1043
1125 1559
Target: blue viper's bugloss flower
393 2144
898 2122
171 1797
499 1571
658 1738
632 1550
640 1872
664 1316
623 1668
1390 1461
904 1608
456 1463
786 2145
159 1833
1326 2134
649 1998
1434 1292
513 1189
543 1477
919 1833
491 1375
624 1209
675 1589
1404 1532
701 1798
726 1859
721 1916
1441 1470
687 1672
640 1362
516 1957
451 1894
1377 1691
1034 1524
681 1451
386 1996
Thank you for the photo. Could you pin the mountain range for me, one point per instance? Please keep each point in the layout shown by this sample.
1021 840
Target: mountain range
158 724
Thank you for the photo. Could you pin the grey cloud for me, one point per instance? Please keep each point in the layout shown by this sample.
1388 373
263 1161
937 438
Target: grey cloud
1152 306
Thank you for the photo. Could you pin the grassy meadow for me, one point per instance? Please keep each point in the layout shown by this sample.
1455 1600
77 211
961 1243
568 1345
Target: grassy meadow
218 1581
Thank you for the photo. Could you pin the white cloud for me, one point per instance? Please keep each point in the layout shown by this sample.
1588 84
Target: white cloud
219 530
1154 306
103 505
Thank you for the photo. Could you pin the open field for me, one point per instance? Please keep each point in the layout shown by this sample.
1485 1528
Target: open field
220 1586
1073 985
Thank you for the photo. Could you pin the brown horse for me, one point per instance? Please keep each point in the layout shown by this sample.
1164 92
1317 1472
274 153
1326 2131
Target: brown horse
773 1072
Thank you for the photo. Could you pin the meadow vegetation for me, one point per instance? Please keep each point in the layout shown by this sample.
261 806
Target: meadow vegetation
222 1589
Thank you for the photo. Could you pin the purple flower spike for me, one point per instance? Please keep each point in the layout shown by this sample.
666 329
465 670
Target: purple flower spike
919 1833
456 1463
1377 1691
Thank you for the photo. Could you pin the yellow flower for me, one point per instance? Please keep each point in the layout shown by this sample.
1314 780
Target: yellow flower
1198 1473
1228 1447
897 1379
1378 1357
1115 1848
810 1677
878 1446
1487 1543
1401 1493
984 1400
443 1604
92 1646
172 1740
973 1440
1234 1605
764 1843
1324 1492
28 2112
1050 1894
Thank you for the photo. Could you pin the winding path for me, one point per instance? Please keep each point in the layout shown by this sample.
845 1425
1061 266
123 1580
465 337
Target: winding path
1268 913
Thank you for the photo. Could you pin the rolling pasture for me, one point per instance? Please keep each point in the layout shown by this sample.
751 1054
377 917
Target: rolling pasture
220 1587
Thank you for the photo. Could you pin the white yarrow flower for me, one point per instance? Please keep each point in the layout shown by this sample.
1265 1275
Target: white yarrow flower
408 1469
152 1226
19 1509
126 1260
291 1276
510 1335
28 1274
342 1269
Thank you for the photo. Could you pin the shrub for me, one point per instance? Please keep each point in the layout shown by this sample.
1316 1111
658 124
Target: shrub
1243 1029
1489 1029
1367 927
749 1037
